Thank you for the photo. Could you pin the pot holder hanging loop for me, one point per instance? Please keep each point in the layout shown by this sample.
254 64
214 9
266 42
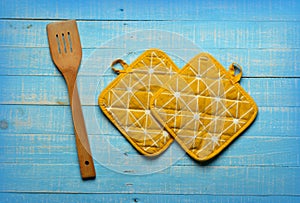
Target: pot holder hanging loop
122 63
203 106
126 100
236 72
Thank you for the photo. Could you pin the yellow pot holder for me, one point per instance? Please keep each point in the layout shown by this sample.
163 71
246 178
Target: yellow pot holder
126 101
203 107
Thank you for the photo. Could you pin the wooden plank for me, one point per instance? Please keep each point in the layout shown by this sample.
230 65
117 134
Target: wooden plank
280 92
247 151
154 10
204 34
38 160
173 180
120 198
20 119
255 62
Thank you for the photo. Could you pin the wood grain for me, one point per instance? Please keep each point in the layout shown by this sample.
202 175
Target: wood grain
279 92
267 62
66 55
255 10
117 198
46 148
37 144
271 121
168 181
206 34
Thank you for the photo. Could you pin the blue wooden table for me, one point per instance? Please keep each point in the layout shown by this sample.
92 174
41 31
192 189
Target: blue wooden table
38 160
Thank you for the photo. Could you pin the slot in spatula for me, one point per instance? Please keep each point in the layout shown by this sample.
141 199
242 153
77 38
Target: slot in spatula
65 49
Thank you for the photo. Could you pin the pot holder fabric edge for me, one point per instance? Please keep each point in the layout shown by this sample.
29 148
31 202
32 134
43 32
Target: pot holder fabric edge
203 130
126 101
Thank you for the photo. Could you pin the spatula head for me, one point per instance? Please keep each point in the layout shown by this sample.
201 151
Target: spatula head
64 43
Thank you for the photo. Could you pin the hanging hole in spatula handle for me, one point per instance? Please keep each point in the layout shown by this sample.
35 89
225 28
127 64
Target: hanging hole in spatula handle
85 158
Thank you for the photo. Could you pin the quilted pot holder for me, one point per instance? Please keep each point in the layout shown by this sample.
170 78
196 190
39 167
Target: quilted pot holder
126 101
203 107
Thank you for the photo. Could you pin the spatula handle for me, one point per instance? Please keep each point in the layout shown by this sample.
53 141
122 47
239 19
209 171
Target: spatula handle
85 158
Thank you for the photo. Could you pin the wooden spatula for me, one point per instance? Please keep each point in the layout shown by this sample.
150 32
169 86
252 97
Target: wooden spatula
65 49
